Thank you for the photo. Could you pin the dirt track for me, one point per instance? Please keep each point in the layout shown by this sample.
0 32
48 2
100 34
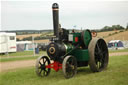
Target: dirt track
5 66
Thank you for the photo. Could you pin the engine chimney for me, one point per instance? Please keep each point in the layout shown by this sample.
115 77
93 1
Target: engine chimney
55 10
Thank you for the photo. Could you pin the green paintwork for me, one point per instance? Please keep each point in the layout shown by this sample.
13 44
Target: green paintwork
69 47
80 54
76 35
87 37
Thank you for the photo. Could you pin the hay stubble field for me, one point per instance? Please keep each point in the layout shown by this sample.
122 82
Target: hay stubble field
109 35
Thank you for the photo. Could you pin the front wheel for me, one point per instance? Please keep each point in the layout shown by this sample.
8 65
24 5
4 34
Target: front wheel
41 64
69 66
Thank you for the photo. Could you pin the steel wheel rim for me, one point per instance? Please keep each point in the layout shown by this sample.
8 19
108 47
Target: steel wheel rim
41 70
98 53
69 67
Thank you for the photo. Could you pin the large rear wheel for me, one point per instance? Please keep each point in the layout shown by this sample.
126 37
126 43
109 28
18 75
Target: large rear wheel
99 56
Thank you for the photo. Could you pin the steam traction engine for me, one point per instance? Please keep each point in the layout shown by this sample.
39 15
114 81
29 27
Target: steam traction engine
69 50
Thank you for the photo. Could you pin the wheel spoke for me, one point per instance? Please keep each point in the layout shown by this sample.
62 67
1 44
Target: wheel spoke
40 63
99 52
103 52
98 47
102 60
99 55
96 53
101 63
100 43
98 64
45 61
40 71
45 72
69 71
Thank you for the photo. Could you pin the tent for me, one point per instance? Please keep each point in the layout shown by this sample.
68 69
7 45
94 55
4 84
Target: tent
116 44
24 45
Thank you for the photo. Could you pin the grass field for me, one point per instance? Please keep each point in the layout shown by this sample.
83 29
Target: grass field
26 55
115 74
122 50
17 58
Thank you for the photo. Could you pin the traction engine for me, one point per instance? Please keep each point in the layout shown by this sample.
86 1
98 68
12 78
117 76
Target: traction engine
69 50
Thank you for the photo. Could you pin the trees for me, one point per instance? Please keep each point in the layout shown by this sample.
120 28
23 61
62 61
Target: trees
127 27
113 27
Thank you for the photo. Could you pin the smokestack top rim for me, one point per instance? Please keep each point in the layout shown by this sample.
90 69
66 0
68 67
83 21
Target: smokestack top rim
55 6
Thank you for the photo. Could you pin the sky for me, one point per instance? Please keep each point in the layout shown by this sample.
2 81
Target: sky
73 14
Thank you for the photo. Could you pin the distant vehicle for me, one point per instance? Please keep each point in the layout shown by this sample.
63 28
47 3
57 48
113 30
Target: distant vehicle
7 42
